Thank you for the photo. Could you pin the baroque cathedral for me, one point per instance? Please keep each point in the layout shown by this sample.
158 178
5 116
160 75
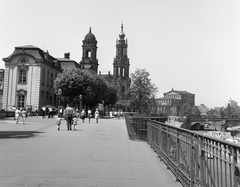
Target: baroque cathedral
30 72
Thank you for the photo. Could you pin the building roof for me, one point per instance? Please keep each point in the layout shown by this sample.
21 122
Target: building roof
28 49
166 98
68 63
180 92
203 108
90 36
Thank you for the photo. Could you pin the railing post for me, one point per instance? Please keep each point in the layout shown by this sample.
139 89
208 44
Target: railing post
192 169
160 142
178 156
168 147
202 162
236 169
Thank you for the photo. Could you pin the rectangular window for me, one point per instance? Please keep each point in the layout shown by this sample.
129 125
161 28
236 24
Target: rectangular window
88 53
21 101
22 76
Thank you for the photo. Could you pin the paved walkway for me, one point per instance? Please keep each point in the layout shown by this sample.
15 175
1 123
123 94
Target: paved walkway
96 155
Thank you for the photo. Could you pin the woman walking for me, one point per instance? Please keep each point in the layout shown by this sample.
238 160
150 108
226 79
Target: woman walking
96 114
83 115
89 115
24 115
17 114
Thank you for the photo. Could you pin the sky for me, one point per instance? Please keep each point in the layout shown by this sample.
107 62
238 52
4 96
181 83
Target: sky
187 45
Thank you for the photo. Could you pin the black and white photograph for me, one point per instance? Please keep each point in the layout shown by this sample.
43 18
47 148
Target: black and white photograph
119 93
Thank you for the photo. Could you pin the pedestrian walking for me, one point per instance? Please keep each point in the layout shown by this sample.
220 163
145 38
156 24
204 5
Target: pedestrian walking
115 114
83 115
118 114
43 111
18 114
89 115
36 111
75 120
30 109
61 112
121 114
27 111
68 114
50 112
58 122
96 114
14 109
111 114
24 115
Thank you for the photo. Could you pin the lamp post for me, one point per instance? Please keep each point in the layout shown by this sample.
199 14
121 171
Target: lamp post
103 107
80 102
59 93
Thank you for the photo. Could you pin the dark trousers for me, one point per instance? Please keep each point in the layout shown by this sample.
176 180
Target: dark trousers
69 122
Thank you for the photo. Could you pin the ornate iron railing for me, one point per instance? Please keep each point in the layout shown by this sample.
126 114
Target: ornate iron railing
137 126
195 159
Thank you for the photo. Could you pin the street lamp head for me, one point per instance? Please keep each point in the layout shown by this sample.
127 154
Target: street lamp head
80 97
59 91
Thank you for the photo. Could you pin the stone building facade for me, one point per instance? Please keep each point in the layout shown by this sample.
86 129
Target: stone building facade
172 101
121 65
89 53
30 72
29 77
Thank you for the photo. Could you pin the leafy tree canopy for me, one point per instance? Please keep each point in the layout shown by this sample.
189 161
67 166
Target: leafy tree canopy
141 89
76 82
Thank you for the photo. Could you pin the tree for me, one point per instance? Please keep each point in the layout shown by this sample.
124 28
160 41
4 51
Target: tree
212 113
230 111
141 90
196 112
222 112
77 82
186 110
111 96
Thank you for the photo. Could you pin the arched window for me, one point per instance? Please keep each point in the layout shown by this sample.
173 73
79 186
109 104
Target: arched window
123 88
52 79
42 97
47 98
21 100
43 76
119 71
51 100
48 77
22 76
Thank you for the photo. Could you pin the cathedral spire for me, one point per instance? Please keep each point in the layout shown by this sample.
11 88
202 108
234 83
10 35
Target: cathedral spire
122 28
121 35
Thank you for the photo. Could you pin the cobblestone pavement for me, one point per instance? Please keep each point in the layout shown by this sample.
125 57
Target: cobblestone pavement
97 154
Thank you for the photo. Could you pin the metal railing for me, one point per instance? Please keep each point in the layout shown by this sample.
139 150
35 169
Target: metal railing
195 159
137 126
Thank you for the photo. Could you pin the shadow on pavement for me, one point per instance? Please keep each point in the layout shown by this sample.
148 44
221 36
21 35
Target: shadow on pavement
18 134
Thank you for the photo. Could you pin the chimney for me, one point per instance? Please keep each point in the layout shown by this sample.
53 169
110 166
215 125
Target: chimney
67 55
47 55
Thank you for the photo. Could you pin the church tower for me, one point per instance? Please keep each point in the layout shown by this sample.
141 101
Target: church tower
89 52
121 64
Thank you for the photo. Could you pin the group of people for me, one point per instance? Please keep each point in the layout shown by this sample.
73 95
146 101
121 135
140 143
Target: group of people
20 113
117 114
72 116
69 114
24 112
